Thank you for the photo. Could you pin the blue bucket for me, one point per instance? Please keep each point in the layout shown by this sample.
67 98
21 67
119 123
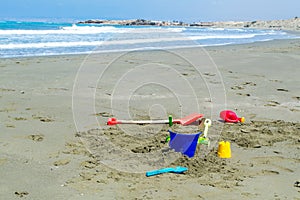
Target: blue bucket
184 143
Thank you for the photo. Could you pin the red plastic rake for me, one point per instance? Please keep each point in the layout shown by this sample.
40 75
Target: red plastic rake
183 121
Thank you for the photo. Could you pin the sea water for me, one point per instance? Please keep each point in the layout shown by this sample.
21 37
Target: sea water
21 38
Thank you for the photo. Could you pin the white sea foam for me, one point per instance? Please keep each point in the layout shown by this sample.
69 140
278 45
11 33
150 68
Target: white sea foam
84 30
65 30
192 39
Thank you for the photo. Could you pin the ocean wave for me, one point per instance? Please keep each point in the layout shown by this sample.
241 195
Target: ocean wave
88 30
79 30
116 42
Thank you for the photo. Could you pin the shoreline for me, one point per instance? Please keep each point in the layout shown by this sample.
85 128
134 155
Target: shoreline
256 43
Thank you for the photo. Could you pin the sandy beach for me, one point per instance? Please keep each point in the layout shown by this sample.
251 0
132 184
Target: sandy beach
55 143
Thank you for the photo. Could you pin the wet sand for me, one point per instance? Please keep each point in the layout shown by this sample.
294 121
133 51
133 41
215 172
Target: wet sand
54 143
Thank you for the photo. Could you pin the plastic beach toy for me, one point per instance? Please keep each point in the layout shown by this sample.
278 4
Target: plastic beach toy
207 123
230 116
184 143
177 170
204 139
183 121
224 150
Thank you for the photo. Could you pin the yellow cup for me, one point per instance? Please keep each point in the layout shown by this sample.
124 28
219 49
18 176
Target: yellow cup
224 150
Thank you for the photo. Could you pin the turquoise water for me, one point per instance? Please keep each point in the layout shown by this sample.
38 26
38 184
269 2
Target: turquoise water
20 39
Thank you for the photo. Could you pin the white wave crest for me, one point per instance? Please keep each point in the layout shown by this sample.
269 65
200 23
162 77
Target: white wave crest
80 30
85 30
115 42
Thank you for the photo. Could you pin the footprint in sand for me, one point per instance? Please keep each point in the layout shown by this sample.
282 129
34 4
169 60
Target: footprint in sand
10 126
241 94
269 172
21 194
7 110
36 137
237 87
61 162
103 114
42 119
272 103
249 83
209 74
282 90
58 89
20 118
7 90
90 164
297 98
276 81
243 85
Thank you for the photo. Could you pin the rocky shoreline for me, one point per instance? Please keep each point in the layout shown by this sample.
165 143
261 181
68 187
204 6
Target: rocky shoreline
135 22
289 24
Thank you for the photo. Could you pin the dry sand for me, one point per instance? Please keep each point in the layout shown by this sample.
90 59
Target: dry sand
45 156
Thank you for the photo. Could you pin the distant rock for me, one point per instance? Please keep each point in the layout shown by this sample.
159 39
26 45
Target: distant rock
289 24
137 22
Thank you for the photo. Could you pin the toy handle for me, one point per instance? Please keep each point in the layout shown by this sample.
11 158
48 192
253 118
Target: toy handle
207 123
242 119
156 172
112 121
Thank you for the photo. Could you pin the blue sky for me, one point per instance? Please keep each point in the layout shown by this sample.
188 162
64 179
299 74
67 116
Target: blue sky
182 10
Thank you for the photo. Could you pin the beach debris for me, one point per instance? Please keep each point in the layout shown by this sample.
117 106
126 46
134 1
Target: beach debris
183 121
297 184
177 170
230 116
224 150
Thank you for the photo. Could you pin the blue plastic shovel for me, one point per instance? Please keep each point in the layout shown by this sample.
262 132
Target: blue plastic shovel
177 170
